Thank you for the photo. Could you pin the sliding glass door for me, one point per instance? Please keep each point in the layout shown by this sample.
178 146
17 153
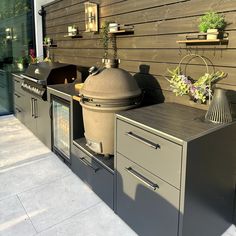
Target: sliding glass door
16 42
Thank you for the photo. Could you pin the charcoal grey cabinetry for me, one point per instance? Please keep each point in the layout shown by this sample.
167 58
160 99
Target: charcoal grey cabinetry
33 112
19 99
175 173
97 175
37 117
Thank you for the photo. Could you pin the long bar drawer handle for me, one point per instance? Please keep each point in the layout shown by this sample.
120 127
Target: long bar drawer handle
32 107
143 179
143 140
85 162
18 110
17 81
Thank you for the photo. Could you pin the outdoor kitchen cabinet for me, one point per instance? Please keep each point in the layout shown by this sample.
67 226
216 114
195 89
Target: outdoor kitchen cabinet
32 112
174 173
19 99
96 172
37 118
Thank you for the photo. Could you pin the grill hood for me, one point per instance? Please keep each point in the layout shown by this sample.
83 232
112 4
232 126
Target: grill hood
47 73
37 76
110 84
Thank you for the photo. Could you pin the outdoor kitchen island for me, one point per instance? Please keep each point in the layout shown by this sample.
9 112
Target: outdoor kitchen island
170 167
175 173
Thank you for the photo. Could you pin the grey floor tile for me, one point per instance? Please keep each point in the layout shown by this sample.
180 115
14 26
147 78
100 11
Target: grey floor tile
18 179
99 220
18 144
13 219
50 204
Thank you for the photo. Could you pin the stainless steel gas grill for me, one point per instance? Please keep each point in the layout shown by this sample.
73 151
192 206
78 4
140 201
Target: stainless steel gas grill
39 75
30 95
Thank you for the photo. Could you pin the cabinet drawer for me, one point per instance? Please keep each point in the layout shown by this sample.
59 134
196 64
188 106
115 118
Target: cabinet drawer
17 84
92 173
149 210
19 113
19 99
154 153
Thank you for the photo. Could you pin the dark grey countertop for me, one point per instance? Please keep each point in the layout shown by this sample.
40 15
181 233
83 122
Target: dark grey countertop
67 89
175 121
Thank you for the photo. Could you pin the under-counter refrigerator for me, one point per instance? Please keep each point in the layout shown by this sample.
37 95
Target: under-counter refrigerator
61 127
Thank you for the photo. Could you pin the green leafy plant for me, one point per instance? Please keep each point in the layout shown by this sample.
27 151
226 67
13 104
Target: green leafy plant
106 39
24 60
211 20
198 90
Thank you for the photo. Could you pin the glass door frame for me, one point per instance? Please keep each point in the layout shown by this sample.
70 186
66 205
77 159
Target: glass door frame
55 149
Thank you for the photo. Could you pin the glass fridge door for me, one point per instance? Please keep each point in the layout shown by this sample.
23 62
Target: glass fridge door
61 127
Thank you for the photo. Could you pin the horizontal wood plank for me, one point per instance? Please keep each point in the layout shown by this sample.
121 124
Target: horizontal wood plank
152 49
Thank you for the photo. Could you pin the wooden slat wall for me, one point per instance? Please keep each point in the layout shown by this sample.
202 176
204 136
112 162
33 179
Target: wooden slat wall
158 24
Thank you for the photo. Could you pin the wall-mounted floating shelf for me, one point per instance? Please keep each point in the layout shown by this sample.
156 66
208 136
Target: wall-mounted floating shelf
201 38
73 36
123 31
203 41
51 46
115 28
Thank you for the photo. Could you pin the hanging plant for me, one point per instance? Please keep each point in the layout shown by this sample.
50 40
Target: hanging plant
198 89
106 39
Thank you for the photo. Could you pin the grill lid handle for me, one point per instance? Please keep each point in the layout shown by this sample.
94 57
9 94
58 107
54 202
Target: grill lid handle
93 70
42 82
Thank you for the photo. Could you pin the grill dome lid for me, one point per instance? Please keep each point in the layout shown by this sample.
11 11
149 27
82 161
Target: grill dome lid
110 83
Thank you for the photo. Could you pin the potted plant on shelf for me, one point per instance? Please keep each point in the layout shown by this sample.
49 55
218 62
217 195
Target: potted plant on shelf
22 62
107 38
211 23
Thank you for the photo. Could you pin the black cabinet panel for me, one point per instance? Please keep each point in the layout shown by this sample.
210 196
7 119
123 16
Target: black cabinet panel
43 121
93 174
142 196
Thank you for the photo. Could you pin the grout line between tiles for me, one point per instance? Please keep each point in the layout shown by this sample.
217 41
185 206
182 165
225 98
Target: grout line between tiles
78 213
37 186
25 163
27 213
